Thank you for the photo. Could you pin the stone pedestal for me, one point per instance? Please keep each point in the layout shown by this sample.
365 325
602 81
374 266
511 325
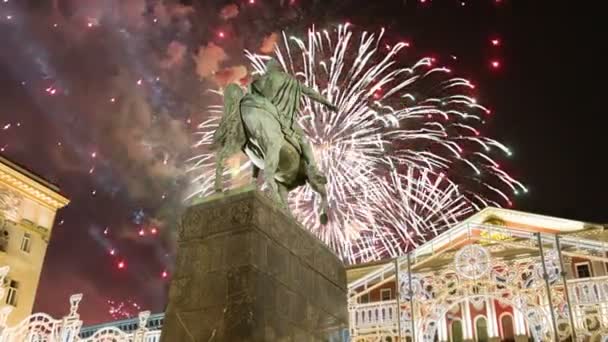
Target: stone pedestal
246 271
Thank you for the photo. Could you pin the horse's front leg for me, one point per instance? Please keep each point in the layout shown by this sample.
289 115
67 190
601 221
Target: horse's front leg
318 186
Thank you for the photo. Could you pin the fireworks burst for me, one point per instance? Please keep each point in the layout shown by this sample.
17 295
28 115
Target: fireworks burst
122 310
404 154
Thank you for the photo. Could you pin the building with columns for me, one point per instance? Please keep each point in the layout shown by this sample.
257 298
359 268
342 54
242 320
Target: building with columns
28 205
501 275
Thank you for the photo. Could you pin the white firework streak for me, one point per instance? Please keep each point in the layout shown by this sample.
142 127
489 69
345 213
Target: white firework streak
403 154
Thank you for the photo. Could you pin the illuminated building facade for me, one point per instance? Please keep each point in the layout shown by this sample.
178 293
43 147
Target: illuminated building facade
28 205
501 275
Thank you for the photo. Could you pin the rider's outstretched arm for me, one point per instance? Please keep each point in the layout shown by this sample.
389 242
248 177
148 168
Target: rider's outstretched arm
315 96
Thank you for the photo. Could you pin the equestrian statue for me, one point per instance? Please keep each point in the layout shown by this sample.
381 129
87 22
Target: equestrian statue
262 123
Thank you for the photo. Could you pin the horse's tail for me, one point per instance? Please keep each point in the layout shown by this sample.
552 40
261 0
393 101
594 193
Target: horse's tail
230 129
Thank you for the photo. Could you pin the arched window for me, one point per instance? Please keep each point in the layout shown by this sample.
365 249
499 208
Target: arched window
456 332
506 327
481 329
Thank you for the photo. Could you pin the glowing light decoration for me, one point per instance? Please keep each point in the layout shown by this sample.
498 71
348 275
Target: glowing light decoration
404 154
472 262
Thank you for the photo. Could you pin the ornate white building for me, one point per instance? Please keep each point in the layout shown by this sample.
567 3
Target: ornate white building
501 275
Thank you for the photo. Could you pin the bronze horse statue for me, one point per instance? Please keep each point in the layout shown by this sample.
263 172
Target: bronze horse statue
262 123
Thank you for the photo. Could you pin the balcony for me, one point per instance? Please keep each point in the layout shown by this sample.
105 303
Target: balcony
374 318
588 291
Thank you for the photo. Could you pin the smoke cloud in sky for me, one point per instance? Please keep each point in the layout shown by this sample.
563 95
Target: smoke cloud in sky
209 59
176 52
108 94
269 43
229 11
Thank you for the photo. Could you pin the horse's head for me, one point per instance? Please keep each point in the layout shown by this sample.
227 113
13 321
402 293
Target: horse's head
273 65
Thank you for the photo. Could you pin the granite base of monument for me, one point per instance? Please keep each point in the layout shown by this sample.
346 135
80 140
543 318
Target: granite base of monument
247 271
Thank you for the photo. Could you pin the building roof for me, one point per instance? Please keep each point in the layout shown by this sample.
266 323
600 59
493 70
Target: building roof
505 222
31 185
525 219
512 223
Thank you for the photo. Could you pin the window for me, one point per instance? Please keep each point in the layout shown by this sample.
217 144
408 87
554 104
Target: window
456 332
583 270
4 237
26 243
364 298
481 329
385 294
11 296
506 324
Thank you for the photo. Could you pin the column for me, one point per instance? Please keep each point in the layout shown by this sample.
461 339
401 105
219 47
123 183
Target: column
352 312
604 315
579 318
467 322
442 329
493 333
520 325
397 314
549 301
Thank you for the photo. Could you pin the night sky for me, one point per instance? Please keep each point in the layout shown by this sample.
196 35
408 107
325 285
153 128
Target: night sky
101 98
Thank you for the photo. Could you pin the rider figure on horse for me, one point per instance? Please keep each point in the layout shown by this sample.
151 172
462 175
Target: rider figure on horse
285 93
263 124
